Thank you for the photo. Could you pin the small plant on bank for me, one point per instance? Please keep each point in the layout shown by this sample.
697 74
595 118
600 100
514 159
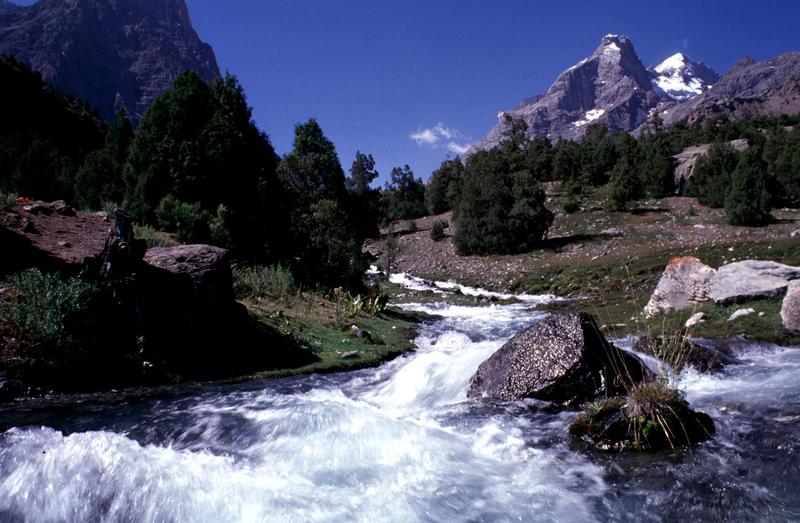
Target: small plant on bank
391 249
7 200
437 230
349 306
259 282
572 205
153 237
45 303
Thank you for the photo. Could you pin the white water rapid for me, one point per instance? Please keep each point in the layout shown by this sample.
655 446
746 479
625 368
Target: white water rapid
400 443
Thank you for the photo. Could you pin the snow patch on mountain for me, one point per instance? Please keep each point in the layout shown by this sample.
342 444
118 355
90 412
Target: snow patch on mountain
681 79
590 116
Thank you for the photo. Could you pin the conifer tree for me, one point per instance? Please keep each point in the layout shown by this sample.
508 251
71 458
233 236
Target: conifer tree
747 200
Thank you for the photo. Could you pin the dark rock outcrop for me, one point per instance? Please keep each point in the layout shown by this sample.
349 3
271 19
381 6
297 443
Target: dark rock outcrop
164 315
112 53
191 321
564 358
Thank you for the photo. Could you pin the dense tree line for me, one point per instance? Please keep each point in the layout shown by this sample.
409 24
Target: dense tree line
634 169
199 167
44 134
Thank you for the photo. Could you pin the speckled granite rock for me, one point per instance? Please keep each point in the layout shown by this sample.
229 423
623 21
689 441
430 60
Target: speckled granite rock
564 359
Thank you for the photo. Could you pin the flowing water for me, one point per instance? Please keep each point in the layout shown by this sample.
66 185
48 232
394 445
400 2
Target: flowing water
401 443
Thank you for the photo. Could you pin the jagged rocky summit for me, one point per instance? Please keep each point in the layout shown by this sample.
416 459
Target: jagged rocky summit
610 86
613 87
112 53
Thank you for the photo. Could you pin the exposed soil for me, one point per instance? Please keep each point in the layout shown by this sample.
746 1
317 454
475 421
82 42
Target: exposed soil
672 227
49 235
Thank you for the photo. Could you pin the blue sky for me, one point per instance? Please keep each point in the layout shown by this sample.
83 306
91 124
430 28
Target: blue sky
375 72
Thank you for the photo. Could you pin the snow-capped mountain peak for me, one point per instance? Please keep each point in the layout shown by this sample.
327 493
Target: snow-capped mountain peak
680 79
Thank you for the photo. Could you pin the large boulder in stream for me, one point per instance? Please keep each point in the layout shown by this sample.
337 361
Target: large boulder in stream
564 358
684 284
751 279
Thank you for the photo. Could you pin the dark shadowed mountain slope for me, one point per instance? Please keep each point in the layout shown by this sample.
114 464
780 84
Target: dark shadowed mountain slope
112 53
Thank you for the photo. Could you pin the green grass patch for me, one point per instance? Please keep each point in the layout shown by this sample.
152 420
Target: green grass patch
153 237
44 304
615 290
391 334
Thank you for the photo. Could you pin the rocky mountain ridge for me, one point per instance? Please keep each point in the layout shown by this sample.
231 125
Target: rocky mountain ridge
114 54
748 90
612 86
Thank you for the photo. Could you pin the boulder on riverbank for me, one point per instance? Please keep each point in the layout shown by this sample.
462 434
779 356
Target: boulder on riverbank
564 358
148 316
790 309
684 283
751 279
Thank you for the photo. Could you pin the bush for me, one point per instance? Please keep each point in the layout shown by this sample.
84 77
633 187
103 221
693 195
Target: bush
437 231
45 304
263 282
188 221
153 237
7 200
572 205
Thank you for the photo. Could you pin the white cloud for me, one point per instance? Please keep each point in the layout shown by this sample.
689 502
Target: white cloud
685 43
457 148
425 137
440 137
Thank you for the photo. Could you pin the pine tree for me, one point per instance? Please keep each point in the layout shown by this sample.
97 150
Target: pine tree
198 144
712 175
325 241
624 184
441 193
364 200
657 167
501 209
747 200
403 196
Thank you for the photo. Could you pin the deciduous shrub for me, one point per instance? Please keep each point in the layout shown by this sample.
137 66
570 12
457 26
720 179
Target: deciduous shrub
45 304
